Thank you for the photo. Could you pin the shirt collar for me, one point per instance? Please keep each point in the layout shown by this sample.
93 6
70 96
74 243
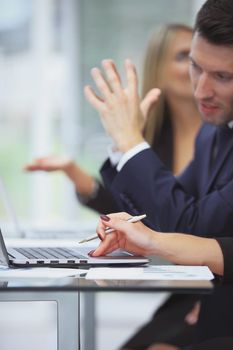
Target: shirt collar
230 124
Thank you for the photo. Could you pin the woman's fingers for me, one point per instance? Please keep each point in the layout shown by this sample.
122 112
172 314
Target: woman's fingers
108 245
107 221
114 240
37 164
49 163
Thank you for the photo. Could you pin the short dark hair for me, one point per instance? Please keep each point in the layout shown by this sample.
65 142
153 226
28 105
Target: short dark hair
214 22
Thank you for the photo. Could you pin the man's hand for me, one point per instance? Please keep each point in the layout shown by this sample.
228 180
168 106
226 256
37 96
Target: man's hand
148 102
119 108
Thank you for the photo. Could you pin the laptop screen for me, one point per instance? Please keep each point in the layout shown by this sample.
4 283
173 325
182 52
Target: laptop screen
4 261
9 209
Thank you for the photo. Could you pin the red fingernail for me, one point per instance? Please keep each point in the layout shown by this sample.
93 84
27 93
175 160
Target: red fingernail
100 237
104 217
90 252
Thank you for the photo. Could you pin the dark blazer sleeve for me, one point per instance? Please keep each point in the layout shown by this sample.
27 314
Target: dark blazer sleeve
226 245
145 185
102 202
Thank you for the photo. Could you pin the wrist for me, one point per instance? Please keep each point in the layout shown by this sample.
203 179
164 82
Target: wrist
130 142
69 168
84 183
90 193
162 245
154 243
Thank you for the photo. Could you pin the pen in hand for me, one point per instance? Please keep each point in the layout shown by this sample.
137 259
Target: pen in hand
109 230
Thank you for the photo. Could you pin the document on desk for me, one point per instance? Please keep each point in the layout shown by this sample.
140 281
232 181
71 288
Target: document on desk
39 272
154 272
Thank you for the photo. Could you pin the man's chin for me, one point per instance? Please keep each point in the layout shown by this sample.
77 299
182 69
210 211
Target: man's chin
209 119
214 119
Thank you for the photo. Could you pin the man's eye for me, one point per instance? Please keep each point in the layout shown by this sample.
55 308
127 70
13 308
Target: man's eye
224 77
194 66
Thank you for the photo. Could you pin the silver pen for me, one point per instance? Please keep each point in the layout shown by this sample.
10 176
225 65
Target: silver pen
109 230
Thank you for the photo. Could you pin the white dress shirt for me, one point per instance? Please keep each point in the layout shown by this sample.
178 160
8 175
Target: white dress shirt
119 159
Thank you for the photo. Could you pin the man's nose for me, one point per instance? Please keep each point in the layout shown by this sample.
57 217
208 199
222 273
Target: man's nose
203 88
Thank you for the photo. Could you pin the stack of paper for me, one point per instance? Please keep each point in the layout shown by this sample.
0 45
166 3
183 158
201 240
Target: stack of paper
154 272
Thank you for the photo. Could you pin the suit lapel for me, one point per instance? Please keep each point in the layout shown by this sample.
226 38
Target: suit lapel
205 164
226 145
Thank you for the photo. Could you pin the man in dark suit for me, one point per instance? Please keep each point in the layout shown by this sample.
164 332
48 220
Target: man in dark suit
200 201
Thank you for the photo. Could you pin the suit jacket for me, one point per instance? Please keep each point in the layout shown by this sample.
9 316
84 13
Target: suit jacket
200 201
103 201
216 316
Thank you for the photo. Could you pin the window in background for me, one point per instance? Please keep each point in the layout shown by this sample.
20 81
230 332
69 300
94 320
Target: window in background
47 48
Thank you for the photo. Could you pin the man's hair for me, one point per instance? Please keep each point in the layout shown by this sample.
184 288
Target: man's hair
214 22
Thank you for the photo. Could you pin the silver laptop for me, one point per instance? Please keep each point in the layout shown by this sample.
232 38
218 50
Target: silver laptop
57 256
63 256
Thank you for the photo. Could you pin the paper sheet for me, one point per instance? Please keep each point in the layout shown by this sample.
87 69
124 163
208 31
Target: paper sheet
39 272
154 272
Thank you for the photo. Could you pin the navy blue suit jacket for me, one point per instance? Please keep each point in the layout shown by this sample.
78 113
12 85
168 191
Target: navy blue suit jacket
199 201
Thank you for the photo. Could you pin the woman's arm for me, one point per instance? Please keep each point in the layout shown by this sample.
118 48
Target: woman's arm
176 247
83 182
89 191
186 249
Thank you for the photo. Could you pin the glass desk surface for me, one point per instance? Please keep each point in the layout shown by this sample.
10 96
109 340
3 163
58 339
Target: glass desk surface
67 284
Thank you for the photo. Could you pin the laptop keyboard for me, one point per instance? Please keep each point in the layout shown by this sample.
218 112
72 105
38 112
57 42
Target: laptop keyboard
49 253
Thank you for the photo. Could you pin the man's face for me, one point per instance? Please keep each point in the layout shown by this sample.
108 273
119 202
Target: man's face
211 72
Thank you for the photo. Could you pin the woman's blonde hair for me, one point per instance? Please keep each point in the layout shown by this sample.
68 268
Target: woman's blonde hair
155 56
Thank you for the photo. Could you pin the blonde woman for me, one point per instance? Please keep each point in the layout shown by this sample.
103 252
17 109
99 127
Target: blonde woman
173 121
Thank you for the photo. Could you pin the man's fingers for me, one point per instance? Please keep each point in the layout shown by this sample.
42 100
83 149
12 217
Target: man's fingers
112 63
100 82
149 100
113 76
131 76
96 101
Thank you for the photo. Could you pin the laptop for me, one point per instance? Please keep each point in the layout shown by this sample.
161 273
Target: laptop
58 256
63 256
